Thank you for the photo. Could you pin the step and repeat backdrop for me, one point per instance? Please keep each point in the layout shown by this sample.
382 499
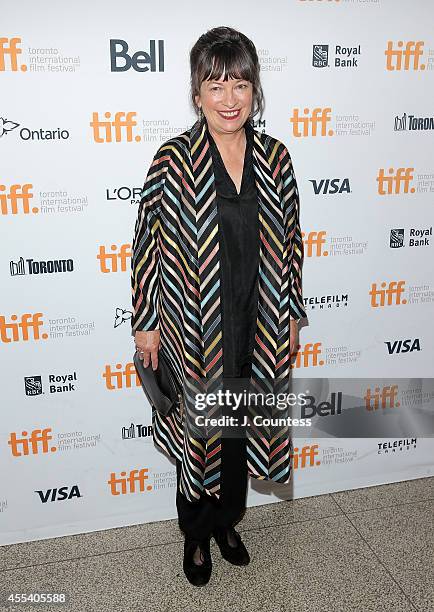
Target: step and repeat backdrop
89 92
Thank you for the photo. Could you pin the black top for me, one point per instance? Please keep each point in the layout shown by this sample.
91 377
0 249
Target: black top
239 257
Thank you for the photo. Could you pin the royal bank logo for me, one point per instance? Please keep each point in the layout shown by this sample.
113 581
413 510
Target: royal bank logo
418 237
343 57
320 56
121 59
396 238
34 267
411 123
33 385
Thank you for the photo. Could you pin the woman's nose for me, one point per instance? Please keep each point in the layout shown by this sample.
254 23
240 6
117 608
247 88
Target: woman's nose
229 98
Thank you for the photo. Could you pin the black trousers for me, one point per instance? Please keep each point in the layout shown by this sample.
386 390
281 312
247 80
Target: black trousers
198 519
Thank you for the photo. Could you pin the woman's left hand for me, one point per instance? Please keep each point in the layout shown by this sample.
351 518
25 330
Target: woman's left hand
293 336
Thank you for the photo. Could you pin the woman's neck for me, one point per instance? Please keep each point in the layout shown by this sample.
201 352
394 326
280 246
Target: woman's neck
229 141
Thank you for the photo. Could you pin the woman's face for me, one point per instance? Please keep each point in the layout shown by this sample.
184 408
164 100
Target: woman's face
226 104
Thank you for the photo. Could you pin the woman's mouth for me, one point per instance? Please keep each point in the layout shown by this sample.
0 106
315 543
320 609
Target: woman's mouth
230 115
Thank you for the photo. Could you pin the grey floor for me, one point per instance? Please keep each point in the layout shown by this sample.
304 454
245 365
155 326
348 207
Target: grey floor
367 549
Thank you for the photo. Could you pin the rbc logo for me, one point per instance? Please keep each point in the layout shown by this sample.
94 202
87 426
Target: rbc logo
320 56
141 61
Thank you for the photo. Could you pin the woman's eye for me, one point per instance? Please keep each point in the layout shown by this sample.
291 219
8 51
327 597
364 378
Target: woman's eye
242 86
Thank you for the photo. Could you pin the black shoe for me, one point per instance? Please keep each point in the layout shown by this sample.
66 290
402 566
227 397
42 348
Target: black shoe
198 575
236 555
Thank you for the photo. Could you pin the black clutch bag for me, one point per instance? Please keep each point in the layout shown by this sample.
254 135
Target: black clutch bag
160 386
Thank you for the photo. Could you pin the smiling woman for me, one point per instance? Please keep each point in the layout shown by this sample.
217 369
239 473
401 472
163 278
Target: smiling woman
216 281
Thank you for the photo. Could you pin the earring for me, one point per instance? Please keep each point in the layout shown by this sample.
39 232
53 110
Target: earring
200 113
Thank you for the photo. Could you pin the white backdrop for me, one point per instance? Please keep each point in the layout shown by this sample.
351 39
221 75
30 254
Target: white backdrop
76 451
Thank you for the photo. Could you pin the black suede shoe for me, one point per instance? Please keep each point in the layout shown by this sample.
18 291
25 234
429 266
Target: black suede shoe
236 555
198 575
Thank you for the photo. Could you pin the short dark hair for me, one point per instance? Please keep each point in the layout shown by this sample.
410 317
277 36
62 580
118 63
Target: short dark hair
224 50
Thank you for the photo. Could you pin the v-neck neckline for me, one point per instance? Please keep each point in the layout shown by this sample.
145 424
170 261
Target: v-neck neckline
219 156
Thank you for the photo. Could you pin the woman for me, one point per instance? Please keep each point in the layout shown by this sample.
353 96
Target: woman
216 283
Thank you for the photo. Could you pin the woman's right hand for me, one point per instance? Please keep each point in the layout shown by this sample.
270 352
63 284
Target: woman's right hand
148 345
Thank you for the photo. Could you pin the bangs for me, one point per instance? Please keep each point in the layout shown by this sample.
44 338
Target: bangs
227 62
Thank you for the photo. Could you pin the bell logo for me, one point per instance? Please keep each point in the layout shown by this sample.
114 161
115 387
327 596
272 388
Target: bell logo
133 483
122 378
140 61
396 182
389 294
34 443
314 239
120 129
307 356
381 398
28 328
305 457
16 200
308 124
116 261
9 49
412 54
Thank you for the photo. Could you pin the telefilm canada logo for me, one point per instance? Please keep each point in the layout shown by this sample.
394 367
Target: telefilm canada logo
33 267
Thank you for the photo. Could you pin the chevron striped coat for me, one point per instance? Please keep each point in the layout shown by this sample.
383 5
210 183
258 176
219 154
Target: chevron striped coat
176 289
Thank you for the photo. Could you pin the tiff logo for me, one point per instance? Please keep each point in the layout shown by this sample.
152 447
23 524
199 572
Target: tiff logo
381 398
307 356
34 443
124 484
16 200
389 294
411 55
312 123
120 128
109 261
122 378
9 49
395 182
313 243
28 328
